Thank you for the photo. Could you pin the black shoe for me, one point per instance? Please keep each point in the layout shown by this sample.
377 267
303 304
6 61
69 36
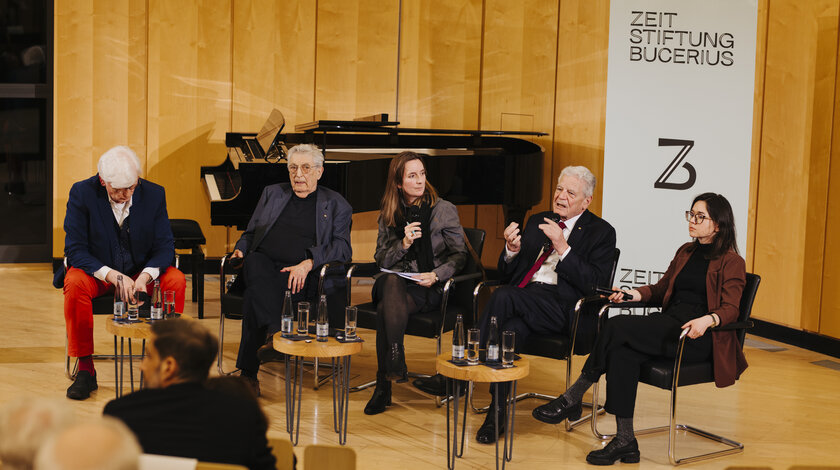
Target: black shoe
628 453
253 382
267 353
381 398
82 386
487 432
557 410
436 385
397 369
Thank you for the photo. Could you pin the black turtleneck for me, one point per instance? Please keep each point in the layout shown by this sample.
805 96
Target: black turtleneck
293 232
690 284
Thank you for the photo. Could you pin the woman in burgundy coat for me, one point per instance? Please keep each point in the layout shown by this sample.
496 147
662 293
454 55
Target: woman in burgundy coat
700 290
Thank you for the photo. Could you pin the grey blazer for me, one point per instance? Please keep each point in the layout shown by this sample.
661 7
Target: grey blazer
448 245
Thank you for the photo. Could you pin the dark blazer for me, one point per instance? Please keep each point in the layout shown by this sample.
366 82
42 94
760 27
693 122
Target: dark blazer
725 280
188 420
91 241
587 266
333 218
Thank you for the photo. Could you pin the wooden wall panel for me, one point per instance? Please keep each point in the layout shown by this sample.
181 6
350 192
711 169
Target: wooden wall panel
356 70
189 103
517 90
273 62
796 137
440 64
580 109
829 307
100 98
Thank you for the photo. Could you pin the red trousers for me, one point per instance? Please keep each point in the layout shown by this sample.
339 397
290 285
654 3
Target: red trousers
80 289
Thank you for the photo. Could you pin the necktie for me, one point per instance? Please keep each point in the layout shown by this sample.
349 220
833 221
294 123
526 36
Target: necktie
540 260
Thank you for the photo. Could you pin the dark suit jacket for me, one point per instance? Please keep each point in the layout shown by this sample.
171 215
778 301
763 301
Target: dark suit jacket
588 264
187 420
333 219
725 280
90 238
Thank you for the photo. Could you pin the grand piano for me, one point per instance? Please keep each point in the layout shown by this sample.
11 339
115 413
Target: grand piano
465 166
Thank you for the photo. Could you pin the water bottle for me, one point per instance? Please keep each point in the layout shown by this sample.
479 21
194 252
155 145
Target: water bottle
322 327
287 316
493 341
119 302
156 310
458 339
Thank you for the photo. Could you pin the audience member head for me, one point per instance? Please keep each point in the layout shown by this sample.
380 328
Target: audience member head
406 185
575 187
119 170
179 350
24 425
713 222
306 165
101 444
237 387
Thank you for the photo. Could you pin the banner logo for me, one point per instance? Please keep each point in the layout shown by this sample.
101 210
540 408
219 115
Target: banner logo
686 146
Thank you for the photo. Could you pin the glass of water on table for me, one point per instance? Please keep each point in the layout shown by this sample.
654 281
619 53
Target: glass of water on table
508 348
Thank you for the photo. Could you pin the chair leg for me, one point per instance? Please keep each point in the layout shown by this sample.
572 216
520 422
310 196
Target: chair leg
220 358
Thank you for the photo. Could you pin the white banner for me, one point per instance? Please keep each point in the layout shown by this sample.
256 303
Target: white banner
679 122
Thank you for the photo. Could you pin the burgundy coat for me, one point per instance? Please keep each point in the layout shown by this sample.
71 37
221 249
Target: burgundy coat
725 281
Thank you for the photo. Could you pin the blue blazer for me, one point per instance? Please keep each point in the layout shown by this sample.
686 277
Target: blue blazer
333 219
90 240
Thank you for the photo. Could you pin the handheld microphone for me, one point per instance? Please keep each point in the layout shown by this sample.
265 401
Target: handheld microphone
412 214
547 242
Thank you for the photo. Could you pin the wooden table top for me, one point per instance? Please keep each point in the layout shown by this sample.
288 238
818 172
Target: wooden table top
482 373
136 330
329 348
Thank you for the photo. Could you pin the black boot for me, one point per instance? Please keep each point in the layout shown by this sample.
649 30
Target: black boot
381 398
397 369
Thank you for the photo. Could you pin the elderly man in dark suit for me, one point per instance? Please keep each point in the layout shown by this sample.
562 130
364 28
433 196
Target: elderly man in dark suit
116 226
560 257
295 227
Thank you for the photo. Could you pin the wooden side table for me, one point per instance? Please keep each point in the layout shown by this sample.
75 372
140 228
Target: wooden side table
340 354
479 373
141 330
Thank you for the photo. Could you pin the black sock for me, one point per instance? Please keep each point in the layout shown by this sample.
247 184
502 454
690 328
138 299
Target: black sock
575 393
624 430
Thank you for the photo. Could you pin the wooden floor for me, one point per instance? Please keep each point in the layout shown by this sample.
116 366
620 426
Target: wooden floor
785 409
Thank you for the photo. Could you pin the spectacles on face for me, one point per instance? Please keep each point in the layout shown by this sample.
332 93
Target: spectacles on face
697 218
305 169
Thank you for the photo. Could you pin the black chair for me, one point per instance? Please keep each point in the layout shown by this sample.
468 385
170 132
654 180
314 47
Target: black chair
578 341
457 299
188 236
231 298
670 374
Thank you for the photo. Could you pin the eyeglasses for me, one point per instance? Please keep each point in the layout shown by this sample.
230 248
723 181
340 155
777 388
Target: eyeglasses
698 218
305 169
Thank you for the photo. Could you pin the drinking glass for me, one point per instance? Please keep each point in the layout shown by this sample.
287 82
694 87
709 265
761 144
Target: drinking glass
169 304
473 335
507 348
133 308
303 318
350 322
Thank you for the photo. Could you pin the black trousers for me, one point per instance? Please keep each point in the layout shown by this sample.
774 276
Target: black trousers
396 299
533 309
265 289
627 341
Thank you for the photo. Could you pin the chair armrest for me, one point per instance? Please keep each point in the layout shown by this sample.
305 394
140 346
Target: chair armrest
330 268
362 270
738 325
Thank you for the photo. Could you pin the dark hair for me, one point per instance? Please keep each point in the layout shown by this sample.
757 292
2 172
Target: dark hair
721 213
392 200
188 342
